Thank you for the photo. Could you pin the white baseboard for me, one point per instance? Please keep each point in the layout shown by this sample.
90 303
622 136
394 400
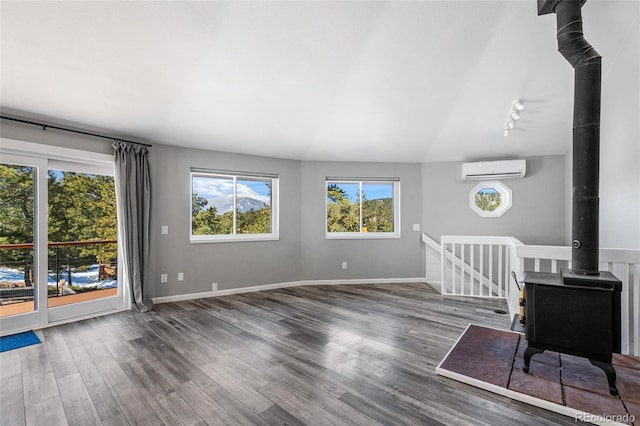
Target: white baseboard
205 294
436 285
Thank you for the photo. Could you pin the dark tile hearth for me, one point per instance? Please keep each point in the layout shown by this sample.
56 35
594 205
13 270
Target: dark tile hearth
583 375
535 385
628 384
550 358
594 403
634 410
497 358
489 356
626 361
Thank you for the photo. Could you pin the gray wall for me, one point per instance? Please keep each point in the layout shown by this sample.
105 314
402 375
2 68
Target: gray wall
31 133
366 258
536 217
431 195
620 145
230 264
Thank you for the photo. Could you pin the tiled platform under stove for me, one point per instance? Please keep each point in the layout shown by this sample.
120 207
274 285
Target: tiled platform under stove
495 357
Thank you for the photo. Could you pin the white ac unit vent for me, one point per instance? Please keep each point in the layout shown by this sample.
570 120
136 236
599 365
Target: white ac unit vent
486 170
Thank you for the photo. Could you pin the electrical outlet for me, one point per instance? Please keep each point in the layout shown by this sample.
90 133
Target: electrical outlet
163 278
214 286
180 276
165 230
416 226
344 265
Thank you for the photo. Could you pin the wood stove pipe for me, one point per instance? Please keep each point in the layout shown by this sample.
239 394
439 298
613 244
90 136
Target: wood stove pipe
586 131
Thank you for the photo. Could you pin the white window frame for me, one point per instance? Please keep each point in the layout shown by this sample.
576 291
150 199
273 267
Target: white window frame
506 198
274 235
364 235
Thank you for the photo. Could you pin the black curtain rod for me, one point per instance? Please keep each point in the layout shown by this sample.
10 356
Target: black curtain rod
44 126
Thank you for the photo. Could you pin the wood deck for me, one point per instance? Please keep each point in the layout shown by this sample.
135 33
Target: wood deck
25 307
81 297
343 355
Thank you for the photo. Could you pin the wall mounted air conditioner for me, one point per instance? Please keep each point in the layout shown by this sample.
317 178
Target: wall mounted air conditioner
486 170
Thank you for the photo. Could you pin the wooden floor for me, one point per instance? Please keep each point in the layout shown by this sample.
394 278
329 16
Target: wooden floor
344 355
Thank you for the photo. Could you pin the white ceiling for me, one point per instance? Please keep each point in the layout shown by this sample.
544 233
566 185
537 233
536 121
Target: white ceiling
358 81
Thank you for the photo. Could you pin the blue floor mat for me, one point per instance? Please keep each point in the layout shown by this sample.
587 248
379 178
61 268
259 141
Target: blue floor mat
19 340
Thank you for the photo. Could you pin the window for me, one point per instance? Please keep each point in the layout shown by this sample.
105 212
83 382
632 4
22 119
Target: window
363 208
490 199
228 206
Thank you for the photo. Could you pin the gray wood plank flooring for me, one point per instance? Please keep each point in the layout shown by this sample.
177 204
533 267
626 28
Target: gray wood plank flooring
339 355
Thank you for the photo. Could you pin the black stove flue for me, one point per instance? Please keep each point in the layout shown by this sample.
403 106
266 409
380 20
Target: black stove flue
577 312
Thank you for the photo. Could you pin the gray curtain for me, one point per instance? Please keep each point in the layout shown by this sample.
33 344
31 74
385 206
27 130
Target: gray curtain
133 195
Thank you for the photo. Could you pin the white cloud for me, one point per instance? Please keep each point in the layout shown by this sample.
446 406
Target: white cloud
211 188
245 191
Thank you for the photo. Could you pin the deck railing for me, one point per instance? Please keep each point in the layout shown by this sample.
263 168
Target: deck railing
481 266
65 260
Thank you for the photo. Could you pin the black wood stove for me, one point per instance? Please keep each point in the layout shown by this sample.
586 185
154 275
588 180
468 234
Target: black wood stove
577 312
573 315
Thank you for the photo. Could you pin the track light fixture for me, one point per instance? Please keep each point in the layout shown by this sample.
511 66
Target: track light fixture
514 115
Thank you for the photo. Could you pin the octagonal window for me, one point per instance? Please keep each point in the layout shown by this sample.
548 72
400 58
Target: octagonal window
490 199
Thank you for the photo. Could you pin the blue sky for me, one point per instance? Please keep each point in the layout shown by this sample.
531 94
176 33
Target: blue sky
57 173
259 187
487 191
372 191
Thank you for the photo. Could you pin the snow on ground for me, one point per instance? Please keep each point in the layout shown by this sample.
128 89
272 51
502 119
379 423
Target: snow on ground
88 278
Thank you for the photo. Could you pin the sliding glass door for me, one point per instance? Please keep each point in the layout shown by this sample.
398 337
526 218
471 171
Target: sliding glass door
22 287
82 231
58 238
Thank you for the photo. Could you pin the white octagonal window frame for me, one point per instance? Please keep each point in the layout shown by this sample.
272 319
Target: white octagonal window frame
506 198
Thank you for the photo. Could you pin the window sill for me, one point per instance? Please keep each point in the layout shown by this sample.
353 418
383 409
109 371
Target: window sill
361 235
232 239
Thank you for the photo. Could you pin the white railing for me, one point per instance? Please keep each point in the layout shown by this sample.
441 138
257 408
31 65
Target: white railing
432 261
481 267
478 266
624 264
